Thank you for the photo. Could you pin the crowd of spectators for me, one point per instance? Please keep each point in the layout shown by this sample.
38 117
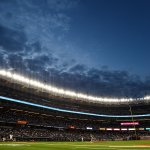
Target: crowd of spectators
49 128
33 134
52 128
11 115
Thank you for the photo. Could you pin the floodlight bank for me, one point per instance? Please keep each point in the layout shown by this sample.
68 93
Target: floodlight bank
62 92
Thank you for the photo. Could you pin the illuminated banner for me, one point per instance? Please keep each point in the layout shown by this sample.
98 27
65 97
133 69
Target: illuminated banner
123 129
141 129
116 129
109 129
129 123
131 129
21 122
71 127
89 128
103 129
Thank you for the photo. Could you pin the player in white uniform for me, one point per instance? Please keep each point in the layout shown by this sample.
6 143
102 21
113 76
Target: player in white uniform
11 137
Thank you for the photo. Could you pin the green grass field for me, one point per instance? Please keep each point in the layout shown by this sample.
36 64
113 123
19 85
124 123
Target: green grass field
114 145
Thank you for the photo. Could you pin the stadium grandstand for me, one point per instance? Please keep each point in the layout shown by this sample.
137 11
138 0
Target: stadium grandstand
34 111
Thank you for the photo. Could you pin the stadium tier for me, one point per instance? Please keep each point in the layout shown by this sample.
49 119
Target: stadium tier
28 114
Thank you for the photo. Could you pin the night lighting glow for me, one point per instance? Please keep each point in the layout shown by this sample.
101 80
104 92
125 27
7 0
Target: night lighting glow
142 129
89 128
116 129
124 129
62 92
109 129
131 129
103 129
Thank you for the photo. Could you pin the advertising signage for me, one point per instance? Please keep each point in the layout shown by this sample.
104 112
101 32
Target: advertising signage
129 123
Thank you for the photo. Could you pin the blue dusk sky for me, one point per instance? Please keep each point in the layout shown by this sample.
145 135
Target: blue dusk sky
99 47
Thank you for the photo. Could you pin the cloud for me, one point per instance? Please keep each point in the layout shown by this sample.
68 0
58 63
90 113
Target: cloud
77 69
12 40
42 21
32 41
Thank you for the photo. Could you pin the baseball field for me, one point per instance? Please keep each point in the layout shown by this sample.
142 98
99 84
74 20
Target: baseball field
103 145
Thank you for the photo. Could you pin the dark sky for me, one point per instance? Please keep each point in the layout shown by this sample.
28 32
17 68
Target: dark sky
99 47
115 33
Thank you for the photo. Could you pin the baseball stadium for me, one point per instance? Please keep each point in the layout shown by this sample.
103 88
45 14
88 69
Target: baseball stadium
35 114
74 75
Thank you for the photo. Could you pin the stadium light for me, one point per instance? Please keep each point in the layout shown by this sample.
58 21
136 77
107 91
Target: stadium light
147 97
62 92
